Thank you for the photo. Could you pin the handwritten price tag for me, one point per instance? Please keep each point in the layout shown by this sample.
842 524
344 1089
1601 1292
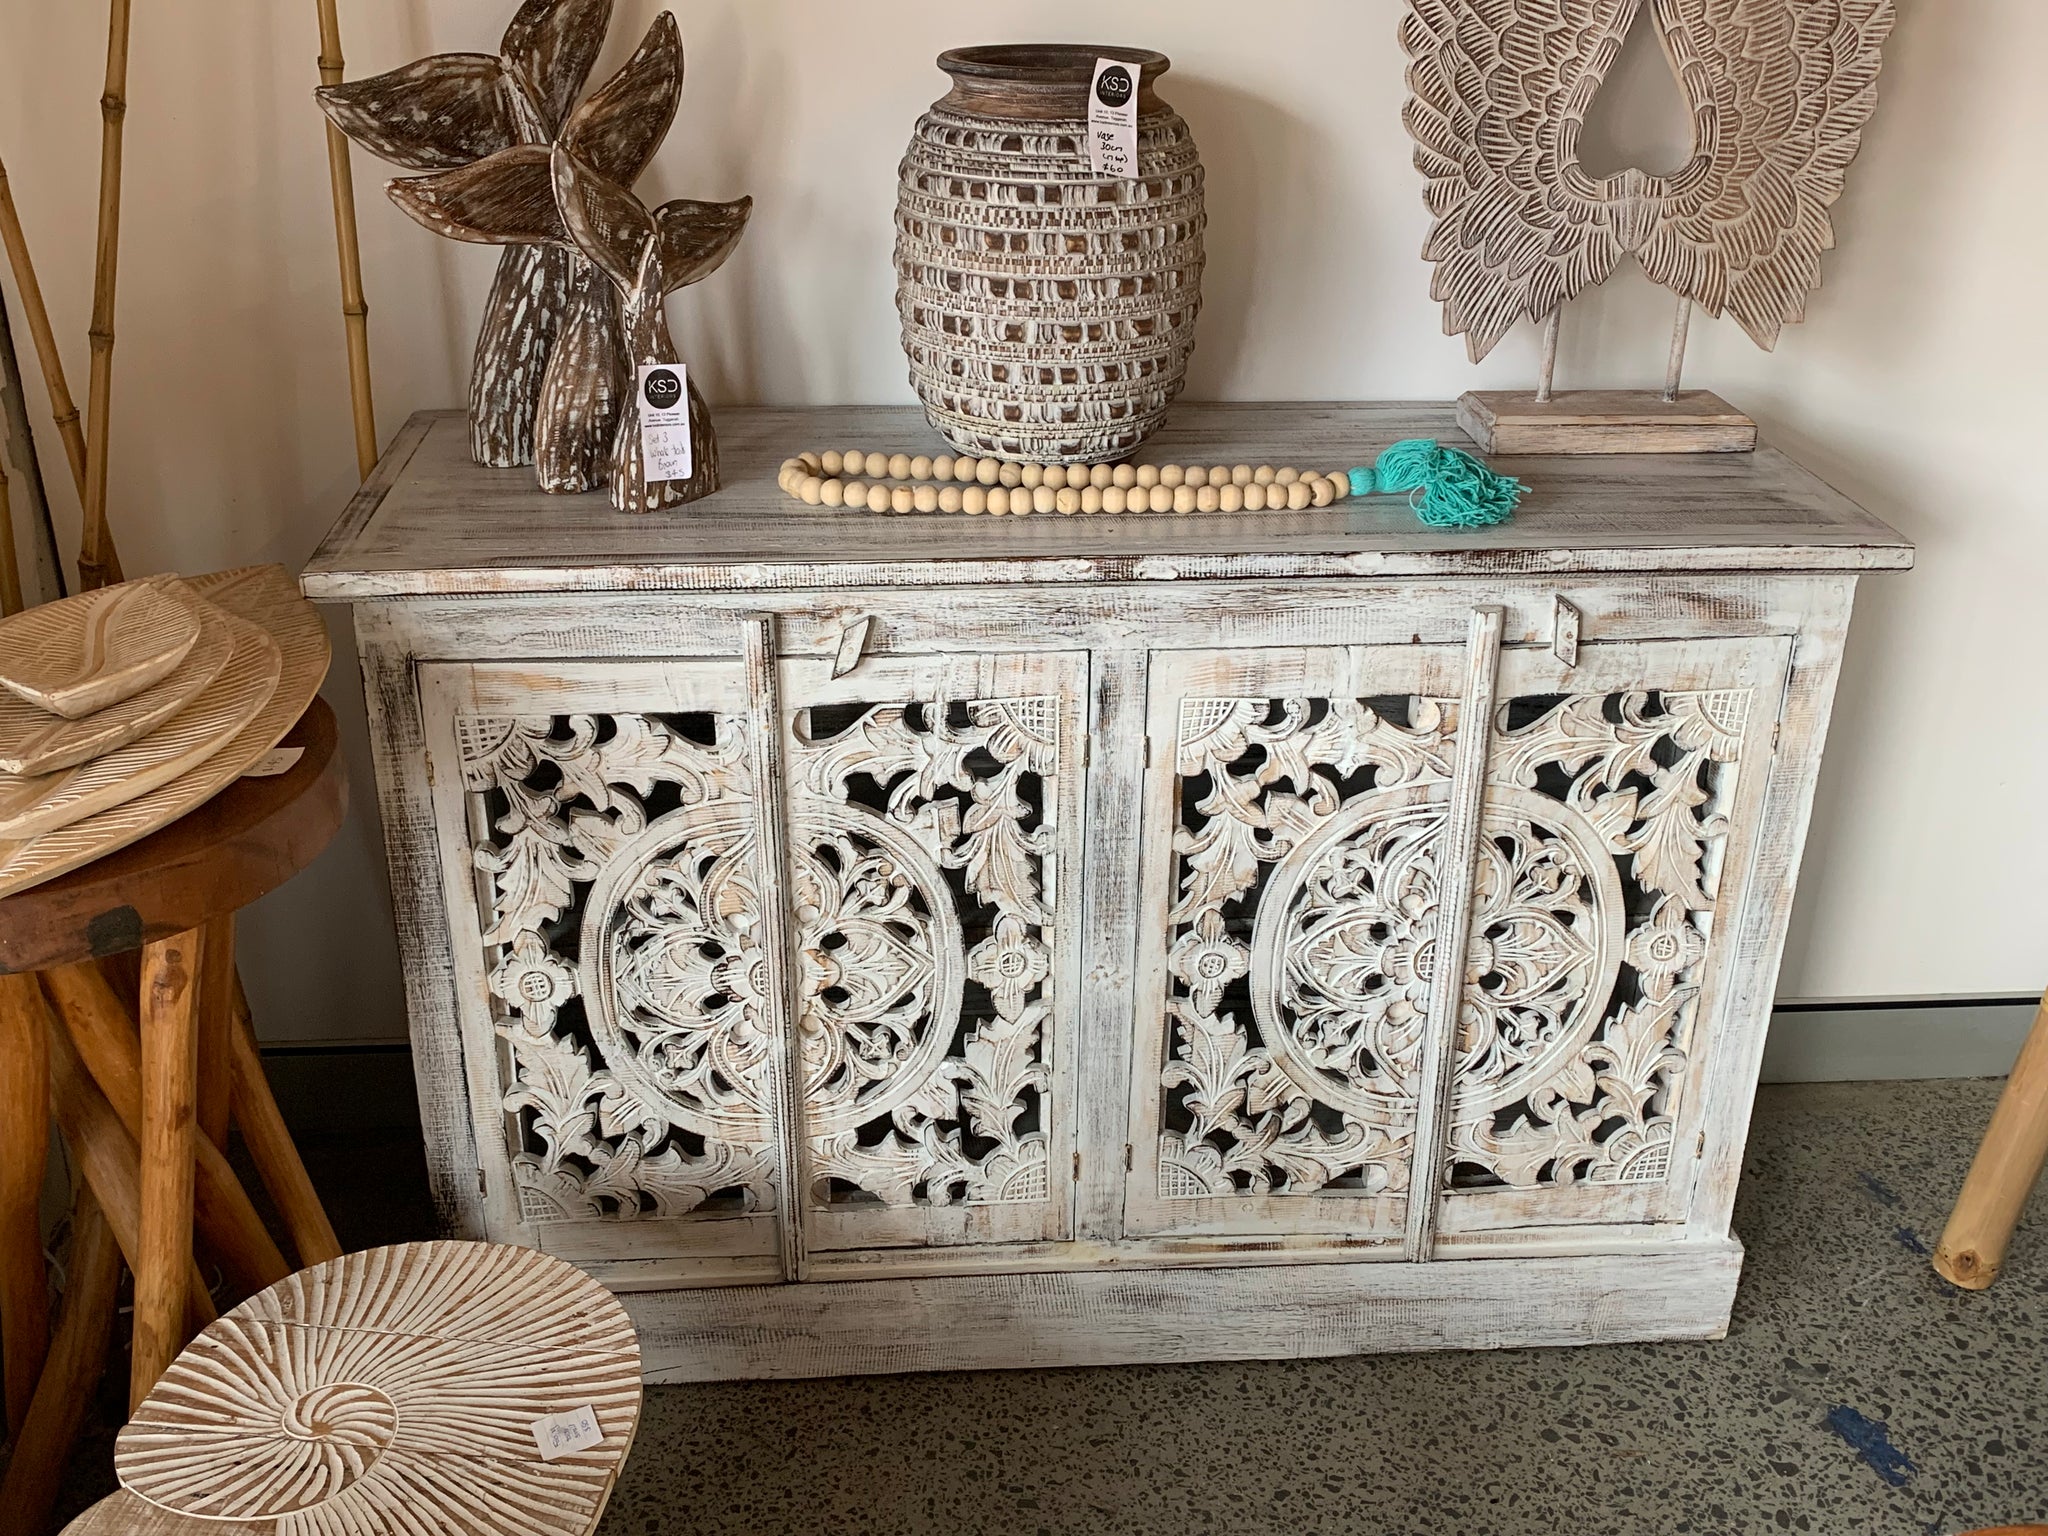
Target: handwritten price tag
1113 119
665 421
564 1434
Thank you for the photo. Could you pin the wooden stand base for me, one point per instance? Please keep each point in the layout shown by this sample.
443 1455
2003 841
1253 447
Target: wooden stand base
1511 422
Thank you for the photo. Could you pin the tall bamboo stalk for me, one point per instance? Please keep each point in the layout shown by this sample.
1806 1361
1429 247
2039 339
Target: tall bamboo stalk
355 310
10 566
61 406
98 564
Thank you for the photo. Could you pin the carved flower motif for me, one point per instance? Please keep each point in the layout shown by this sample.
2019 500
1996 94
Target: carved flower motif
1009 962
1208 960
1667 945
533 982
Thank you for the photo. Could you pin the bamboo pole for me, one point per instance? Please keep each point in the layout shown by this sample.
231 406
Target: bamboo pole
1549 365
98 563
2007 1166
10 564
355 310
62 408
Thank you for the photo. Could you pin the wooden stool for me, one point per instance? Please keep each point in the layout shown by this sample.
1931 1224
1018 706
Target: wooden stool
398 1390
2007 1166
145 1111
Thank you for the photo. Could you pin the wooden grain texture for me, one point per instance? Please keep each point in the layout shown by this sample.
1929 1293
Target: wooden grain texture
249 839
1512 422
24 1144
435 524
77 1360
78 655
264 596
218 986
33 805
395 1390
167 1146
34 741
1778 92
1048 312
2004 1172
122 1513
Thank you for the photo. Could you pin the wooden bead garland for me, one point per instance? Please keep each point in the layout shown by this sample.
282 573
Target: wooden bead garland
1000 487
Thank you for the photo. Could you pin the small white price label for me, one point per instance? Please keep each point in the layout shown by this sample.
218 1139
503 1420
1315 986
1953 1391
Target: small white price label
665 421
277 760
564 1434
1113 119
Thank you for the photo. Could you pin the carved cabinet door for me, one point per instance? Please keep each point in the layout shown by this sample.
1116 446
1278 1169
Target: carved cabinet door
1294 811
629 1039
1620 816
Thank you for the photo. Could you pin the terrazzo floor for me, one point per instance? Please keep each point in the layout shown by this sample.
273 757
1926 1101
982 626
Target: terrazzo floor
1856 1393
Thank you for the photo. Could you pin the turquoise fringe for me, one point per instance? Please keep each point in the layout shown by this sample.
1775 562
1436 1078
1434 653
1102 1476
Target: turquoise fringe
1448 488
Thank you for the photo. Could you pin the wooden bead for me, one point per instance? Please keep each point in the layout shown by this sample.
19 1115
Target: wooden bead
1101 476
1020 501
853 463
988 471
1197 476
926 498
1066 501
856 493
1162 499
942 467
878 498
1255 497
1148 475
1173 476
1263 475
951 498
998 501
1010 475
1298 495
834 493
1208 499
1341 485
902 499
1241 474
1231 498
1031 476
812 490
1123 477
832 461
1183 497
921 467
899 466
974 500
811 464
1091 498
1286 476
1113 499
1319 489
966 468
1043 498
1056 476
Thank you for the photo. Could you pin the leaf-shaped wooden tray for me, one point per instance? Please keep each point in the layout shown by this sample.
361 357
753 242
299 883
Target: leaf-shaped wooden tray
33 740
264 595
39 803
81 654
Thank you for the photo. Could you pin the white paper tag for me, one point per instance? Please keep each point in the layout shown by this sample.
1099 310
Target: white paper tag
665 421
564 1434
1113 119
277 760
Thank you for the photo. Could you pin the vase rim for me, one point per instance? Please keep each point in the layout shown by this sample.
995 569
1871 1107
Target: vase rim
1047 63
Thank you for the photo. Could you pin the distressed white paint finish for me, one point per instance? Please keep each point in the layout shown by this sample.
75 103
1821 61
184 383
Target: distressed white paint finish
394 1391
1111 898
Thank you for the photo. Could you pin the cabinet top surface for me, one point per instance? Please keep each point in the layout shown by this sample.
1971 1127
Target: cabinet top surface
429 522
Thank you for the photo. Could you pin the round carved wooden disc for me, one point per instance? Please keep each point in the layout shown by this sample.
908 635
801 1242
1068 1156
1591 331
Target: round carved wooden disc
396 1390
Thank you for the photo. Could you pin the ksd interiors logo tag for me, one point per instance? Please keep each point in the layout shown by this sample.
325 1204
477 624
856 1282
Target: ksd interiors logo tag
662 388
1113 86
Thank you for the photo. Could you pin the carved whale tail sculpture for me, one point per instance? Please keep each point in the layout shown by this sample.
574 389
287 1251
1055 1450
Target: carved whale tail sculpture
551 383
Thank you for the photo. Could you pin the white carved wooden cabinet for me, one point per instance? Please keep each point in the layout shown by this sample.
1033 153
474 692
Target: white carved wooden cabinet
874 943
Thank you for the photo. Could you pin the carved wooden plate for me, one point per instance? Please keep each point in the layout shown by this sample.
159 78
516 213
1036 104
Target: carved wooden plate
34 804
80 654
123 1514
395 1391
265 595
34 741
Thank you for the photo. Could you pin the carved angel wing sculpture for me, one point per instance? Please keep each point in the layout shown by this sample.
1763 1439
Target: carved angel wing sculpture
1778 92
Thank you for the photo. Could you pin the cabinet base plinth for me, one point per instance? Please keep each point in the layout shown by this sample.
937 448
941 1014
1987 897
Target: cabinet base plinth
1128 1317
1584 421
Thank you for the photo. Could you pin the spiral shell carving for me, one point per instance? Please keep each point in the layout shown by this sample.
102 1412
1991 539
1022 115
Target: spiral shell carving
395 1391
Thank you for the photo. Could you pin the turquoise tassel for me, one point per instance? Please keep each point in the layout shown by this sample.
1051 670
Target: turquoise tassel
1448 487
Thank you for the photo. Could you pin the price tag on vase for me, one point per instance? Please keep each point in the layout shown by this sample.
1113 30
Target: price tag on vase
1113 119
665 421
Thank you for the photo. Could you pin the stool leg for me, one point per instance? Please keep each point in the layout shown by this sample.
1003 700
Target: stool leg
216 1025
2007 1166
78 1356
24 1146
170 1073
271 1147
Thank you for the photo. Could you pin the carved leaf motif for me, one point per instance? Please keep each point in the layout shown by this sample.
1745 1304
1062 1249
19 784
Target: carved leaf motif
503 199
549 48
431 115
620 125
697 237
607 222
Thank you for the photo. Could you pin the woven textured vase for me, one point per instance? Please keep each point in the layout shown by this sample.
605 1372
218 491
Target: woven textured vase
1048 312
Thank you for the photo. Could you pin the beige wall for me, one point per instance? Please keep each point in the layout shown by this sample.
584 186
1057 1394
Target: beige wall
1916 384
